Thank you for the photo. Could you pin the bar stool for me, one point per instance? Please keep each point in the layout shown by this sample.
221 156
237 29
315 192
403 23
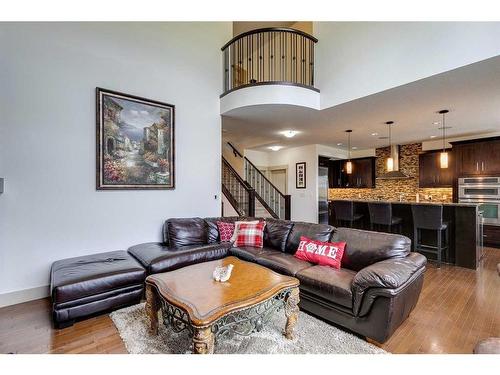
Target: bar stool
430 217
344 212
381 215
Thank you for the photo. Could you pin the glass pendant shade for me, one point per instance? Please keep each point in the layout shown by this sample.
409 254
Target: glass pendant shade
443 157
443 160
348 167
390 164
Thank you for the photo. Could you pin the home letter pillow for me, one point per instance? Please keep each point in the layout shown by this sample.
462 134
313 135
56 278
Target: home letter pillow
322 253
250 235
226 231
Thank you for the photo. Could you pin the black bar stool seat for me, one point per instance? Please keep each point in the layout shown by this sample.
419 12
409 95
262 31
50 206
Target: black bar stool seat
344 213
381 215
430 217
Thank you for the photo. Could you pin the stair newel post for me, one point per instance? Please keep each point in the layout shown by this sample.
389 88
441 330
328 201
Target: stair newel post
288 207
251 202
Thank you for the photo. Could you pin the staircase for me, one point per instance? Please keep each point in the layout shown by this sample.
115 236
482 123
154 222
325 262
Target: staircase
254 195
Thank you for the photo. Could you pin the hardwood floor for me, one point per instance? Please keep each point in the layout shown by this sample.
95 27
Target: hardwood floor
457 308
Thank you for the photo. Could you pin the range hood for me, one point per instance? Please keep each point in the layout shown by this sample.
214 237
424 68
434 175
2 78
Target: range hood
395 174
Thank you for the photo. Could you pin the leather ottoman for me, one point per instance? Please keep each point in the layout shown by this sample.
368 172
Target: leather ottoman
94 283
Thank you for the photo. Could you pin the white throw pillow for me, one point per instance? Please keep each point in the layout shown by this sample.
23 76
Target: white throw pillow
236 227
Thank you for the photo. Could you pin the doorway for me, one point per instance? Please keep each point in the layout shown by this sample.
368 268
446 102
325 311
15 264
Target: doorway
278 177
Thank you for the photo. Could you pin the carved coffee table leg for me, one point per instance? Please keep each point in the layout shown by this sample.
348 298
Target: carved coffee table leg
203 341
152 307
291 312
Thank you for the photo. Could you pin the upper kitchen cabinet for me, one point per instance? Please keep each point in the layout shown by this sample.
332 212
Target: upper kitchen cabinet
477 157
431 175
362 176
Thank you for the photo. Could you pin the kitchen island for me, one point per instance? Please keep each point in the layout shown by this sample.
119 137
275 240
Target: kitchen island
464 226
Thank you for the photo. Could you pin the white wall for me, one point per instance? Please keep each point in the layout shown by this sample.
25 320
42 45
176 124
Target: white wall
356 59
48 75
258 158
270 94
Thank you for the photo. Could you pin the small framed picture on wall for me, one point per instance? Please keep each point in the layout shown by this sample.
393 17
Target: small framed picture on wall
300 175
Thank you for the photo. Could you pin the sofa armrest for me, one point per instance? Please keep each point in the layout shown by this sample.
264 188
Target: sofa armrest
388 276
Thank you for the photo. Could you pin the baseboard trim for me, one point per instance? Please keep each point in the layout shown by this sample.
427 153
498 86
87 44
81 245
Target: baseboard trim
25 295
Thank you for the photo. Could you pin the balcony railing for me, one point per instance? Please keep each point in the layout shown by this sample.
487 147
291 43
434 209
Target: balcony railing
269 56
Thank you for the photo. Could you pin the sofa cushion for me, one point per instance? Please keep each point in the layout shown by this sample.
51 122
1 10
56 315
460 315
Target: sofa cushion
226 231
321 253
88 275
318 232
185 232
365 248
213 231
157 257
276 233
250 253
249 234
286 264
328 283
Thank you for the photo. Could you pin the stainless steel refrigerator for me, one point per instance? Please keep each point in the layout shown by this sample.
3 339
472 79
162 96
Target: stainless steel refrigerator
323 195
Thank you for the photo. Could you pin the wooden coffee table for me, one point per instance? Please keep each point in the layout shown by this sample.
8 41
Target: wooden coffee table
190 299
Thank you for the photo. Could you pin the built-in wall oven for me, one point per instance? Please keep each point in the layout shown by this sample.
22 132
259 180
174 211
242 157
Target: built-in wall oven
484 191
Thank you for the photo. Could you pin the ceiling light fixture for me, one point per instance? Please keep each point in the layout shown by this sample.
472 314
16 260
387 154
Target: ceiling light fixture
390 161
339 144
374 134
443 157
433 136
275 148
290 133
348 165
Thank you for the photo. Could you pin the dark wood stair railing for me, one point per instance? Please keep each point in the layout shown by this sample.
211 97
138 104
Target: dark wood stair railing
273 200
273 55
237 191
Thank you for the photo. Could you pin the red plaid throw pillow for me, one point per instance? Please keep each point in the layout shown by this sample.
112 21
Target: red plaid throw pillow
225 230
250 235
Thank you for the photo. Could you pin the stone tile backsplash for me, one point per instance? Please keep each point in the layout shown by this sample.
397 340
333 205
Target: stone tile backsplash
393 190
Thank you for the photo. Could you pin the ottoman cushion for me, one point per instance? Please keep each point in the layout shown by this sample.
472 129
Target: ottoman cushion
89 275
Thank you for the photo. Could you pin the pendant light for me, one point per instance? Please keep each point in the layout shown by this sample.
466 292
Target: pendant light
390 160
348 165
443 157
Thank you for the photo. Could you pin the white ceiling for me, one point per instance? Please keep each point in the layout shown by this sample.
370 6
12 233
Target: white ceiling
471 93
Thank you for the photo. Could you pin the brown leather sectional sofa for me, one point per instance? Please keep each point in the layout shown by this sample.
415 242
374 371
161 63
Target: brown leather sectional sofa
371 295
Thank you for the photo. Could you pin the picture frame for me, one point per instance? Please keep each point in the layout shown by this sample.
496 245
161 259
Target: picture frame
300 175
135 142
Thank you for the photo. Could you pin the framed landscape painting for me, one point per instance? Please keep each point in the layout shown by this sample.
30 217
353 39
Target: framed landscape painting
135 142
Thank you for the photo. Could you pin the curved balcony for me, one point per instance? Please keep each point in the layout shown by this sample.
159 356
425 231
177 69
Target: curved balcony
269 56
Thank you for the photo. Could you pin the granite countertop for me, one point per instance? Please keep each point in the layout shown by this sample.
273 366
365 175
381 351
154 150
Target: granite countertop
410 203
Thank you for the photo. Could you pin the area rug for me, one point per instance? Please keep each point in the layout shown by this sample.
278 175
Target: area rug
312 336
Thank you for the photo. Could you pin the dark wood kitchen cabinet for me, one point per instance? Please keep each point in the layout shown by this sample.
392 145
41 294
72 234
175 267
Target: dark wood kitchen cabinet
431 175
491 236
362 176
477 157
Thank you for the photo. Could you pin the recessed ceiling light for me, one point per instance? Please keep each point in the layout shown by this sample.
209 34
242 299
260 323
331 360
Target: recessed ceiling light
374 134
290 133
433 136
354 148
275 148
339 144
436 123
